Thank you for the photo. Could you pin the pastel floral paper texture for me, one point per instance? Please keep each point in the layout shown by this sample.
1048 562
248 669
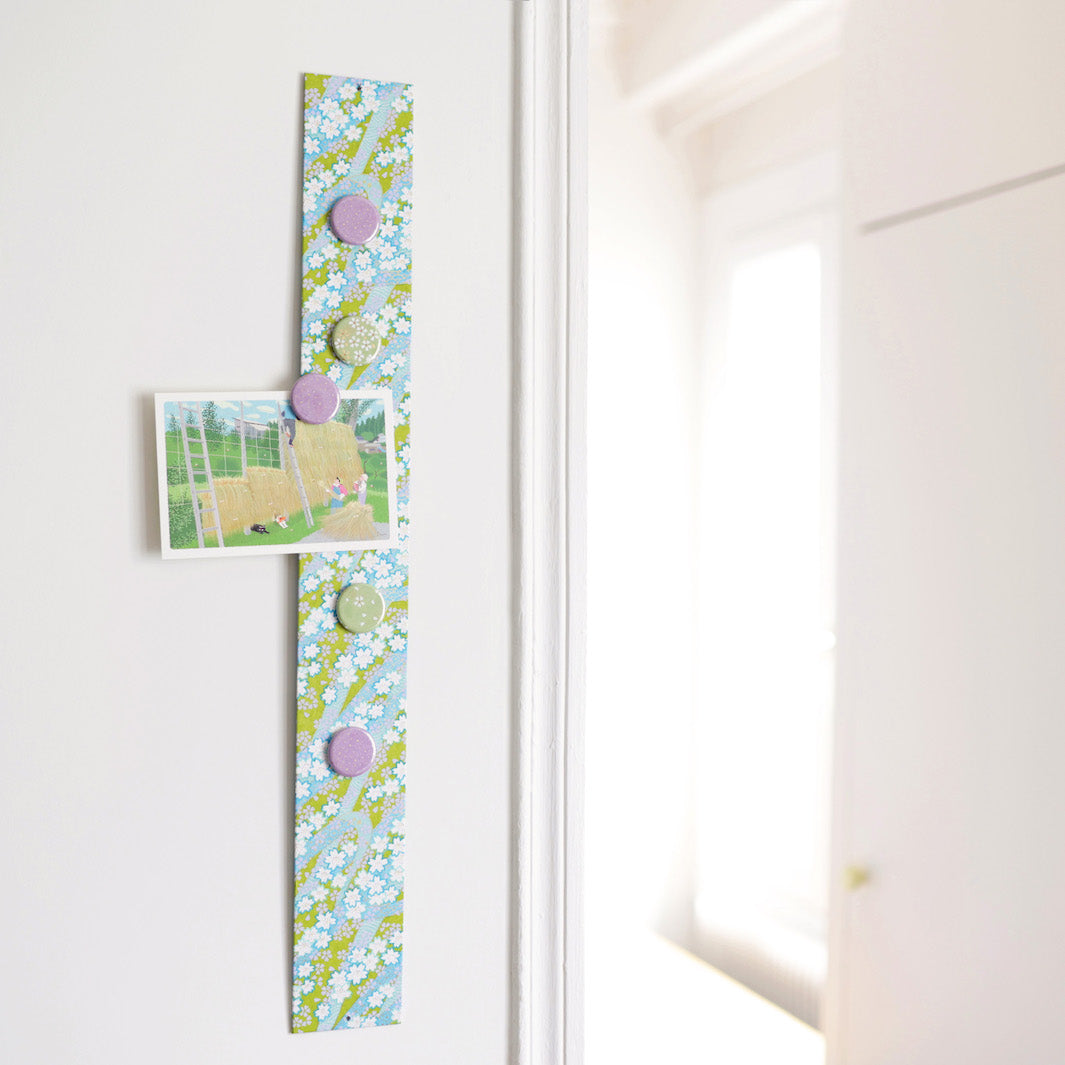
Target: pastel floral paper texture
348 926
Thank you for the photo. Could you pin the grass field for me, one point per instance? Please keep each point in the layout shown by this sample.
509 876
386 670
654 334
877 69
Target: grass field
377 490
181 510
296 531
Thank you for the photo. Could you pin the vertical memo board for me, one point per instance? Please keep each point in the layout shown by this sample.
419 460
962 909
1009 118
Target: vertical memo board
349 832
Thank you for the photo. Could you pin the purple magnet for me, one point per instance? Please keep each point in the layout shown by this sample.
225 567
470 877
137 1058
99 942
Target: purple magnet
351 752
315 398
354 219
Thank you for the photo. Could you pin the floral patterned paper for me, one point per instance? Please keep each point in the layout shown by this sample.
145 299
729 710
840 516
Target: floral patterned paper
348 941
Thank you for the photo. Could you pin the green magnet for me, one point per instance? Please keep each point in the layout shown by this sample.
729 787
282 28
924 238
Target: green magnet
360 608
355 340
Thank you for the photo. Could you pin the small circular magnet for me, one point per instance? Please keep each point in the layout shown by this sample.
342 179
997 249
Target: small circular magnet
360 608
355 340
351 751
315 398
354 220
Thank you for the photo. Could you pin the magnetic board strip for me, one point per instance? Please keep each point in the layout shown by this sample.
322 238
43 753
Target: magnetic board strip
349 832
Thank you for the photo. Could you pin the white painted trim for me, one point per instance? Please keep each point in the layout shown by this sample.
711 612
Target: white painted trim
551 217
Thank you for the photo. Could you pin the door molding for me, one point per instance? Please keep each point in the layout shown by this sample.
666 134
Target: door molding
551 52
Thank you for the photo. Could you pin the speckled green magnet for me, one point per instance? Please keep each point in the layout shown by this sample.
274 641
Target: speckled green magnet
360 608
355 340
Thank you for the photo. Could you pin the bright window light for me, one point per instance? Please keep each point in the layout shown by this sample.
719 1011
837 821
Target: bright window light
766 638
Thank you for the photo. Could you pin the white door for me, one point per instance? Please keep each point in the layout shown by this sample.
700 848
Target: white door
951 636
948 97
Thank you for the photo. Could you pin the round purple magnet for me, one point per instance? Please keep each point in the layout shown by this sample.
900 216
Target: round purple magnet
354 219
315 398
351 752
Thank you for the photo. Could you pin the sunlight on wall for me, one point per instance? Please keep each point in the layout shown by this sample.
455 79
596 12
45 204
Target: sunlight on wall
663 818
765 684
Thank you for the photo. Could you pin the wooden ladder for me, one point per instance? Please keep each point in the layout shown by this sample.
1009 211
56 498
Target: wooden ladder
198 507
281 440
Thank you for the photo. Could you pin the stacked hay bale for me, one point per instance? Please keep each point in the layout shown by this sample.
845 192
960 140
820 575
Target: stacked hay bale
323 452
255 498
353 521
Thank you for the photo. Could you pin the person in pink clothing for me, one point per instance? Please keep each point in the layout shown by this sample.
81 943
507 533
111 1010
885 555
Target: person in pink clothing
338 491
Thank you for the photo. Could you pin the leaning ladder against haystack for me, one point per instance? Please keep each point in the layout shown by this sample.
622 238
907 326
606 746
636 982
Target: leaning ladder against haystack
199 509
281 435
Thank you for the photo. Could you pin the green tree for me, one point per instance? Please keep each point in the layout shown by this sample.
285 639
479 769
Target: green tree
212 421
353 416
347 407
372 427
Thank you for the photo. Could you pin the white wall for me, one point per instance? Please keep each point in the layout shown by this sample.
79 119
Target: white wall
150 231
665 39
641 456
794 122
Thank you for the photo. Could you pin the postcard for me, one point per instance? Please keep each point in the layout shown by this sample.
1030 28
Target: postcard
240 474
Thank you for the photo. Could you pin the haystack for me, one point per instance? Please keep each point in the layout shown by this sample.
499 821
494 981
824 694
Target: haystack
256 498
353 521
326 452
323 452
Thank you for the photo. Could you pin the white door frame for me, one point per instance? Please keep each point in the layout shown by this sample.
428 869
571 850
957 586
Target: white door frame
551 80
